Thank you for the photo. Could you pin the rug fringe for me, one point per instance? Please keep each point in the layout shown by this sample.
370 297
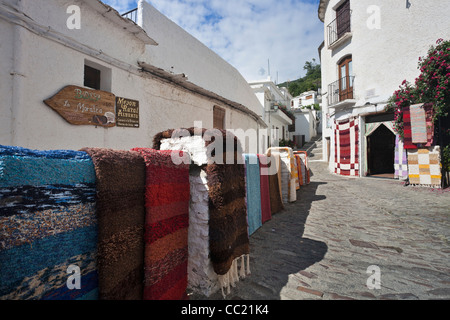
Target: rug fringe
235 273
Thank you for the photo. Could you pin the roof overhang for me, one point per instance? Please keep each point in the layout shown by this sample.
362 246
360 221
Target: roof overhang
322 8
127 24
182 81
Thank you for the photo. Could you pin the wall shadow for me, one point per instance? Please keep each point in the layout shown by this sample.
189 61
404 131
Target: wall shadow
278 249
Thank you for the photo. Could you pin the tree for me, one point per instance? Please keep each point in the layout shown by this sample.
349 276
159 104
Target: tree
311 81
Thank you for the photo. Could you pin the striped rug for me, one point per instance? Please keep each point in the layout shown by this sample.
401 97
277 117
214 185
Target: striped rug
228 234
276 196
120 180
48 225
424 167
166 225
266 213
253 188
346 147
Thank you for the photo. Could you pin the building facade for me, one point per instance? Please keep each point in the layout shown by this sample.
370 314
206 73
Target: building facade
274 99
170 78
307 116
368 50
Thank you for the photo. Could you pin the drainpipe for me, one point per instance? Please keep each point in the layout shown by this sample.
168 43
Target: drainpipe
18 80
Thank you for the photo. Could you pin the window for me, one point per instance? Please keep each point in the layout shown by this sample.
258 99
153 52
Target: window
343 19
346 79
340 27
97 76
219 118
91 77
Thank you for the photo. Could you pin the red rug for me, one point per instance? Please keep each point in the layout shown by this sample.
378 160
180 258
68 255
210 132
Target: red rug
346 147
166 226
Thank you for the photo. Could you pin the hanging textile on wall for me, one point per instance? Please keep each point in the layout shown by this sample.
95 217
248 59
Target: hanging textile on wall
407 133
346 147
401 160
48 223
276 197
266 214
424 167
167 195
228 240
303 172
288 173
120 181
253 192
418 124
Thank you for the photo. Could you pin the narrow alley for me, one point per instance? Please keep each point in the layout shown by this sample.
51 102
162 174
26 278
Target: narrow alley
345 234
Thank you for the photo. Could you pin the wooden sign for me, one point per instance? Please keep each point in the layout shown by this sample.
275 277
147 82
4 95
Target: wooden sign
83 106
127 113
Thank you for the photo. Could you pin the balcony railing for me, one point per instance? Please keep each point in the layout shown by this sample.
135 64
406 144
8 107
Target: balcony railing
340 90
340 26
132 15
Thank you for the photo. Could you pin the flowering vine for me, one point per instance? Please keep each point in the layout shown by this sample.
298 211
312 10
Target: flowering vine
433 82
432 86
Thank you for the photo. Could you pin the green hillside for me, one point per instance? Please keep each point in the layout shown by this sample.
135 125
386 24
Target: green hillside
311 81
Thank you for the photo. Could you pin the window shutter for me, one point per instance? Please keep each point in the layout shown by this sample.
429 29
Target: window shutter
219 118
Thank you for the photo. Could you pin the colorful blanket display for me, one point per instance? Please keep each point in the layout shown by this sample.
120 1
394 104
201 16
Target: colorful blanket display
418 124
295 169
346 147
418 128
276 198
253 192
303 172
228 233
167 196
288 173
120 180
48 225
401 160
424 167
266 214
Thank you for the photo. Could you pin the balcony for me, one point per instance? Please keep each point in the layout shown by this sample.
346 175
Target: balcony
340 92
339 29
132 15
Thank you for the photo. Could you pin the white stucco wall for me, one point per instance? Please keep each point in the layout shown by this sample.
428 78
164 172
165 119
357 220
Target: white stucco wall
382 57
180 52
7 75
44 66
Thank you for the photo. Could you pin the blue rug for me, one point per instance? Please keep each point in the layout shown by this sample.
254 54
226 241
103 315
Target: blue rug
48 223
253 187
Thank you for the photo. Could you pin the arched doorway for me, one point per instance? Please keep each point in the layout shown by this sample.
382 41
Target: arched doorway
381 152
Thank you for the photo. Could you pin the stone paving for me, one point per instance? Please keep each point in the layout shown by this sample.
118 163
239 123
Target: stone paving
321 247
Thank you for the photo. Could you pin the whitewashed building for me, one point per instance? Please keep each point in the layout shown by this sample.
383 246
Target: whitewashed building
173 79
369 48
307 118
273 99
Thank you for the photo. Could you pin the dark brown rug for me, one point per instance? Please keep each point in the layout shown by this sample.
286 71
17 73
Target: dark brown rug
120 180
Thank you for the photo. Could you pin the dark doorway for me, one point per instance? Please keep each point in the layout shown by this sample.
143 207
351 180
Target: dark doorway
380 152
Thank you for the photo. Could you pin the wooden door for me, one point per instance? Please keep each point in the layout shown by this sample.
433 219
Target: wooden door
346 79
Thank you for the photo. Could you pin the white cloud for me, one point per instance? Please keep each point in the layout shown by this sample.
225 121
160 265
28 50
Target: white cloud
248 33
121 5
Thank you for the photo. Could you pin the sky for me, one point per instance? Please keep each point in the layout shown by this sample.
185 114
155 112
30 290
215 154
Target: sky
257 37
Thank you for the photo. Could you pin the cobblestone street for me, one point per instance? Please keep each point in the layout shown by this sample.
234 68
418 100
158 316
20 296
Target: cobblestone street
321 246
